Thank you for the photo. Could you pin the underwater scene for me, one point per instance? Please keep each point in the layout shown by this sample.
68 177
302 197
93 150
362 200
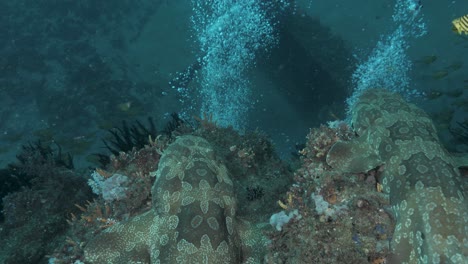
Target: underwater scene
233 131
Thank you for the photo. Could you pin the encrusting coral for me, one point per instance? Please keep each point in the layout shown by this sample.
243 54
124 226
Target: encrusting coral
424 183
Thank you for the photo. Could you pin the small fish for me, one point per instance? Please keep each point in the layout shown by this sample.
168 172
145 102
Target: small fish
440 74
454 66
454 92
333 115
124 107
427 59
460 25
434 94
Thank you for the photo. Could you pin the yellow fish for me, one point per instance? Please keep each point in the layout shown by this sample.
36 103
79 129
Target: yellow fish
460 25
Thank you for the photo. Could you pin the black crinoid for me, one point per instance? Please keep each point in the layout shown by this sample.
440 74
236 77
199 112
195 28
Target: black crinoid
135 135
37 154
461 132
35 161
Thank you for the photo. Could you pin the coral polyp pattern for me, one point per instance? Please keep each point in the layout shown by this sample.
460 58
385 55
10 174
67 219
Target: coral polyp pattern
193 216
424 183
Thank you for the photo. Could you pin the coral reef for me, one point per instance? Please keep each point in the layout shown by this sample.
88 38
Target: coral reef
341 216
193 216
31 162
250 161
426 191
35 216
213 192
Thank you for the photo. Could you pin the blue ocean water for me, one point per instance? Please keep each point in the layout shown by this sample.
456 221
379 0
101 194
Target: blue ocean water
68 69
72 70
